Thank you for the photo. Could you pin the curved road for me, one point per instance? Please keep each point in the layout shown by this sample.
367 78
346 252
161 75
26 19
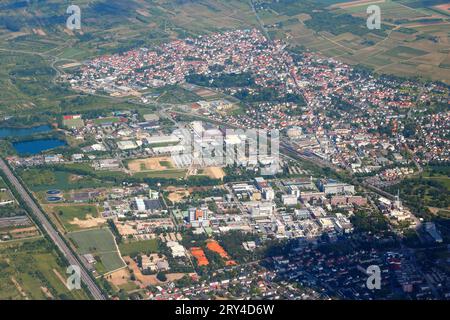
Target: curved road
53 234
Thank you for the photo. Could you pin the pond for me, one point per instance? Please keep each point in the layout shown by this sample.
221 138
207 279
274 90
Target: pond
22 132
37 146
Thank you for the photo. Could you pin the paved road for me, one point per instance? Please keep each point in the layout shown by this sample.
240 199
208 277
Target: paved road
53 234
258 18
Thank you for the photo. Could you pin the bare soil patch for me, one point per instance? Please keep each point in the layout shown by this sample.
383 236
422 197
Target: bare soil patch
443 7
19 288
177 195
125 229
145 280
89 222
215 172
142 12
150 164
39 32
119 277
60 277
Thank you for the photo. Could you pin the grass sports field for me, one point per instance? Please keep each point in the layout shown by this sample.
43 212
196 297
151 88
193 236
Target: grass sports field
101 244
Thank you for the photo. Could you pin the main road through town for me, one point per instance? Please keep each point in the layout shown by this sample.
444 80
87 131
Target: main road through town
47 227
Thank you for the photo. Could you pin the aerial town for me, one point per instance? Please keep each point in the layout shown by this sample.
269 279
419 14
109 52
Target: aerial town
227 166
184 194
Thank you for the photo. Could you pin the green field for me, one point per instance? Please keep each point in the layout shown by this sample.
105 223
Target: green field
167 174
136 247
176 94
24 79
74 123
444 180
2 183
425 191
45 179
4 196
341 33
166 164
404 52
101 121
27 267
101 244
390 10
66 214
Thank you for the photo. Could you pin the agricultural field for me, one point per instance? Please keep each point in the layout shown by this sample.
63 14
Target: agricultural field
15 224
414 31
404 52
26 82
101 244
417 44
35 45
32 270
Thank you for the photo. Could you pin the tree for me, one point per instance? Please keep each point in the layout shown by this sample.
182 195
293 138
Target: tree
161 276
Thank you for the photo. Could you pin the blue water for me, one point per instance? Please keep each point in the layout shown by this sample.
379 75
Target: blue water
22 132
54 199
37 146
53 192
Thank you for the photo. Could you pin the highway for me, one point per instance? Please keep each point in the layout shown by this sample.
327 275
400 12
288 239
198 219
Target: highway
47 227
